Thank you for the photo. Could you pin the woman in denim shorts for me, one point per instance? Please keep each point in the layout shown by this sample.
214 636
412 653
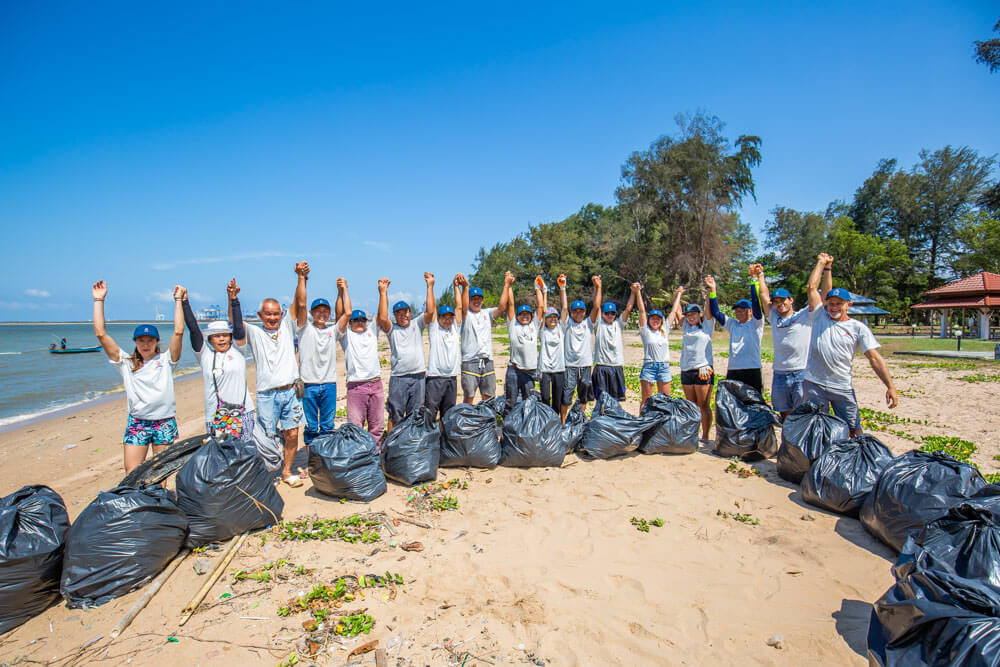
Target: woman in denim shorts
655 345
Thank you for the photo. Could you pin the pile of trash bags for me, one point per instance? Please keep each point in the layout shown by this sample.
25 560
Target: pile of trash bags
471 434
33 525
120 542
573 427
532 436
611 431
345 464
843 476
805 434
225 490
744 423
412 449
678 422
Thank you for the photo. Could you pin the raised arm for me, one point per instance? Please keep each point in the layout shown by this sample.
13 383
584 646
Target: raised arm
540 300
430 304
630 304
299 310
194 331
713 302
563 302
382 316
882 371
595 308
100 292
345 298
177 340
823 261
458 286
236 313
827 283
636 297
675 310
764 294
755 303
506 305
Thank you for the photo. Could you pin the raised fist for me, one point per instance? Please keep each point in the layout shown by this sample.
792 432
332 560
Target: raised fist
180 293
429 278
341 283
383 284
100 289
508 278
561 280
232 289
302 268
826 259
710 281
636 287
596 280
679 291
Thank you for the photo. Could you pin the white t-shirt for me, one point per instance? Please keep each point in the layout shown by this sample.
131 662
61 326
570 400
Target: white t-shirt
579 342
655 345
406 347
361 353
318 353
230 370
445 354
696 345
551 359
149 390
832 348
608 347
523 344
744 342
274 354
477 335
791 339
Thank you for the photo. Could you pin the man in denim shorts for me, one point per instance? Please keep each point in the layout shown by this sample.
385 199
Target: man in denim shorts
477 341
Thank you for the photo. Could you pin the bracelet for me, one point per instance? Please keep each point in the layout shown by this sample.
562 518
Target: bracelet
712 295
828 269
96 300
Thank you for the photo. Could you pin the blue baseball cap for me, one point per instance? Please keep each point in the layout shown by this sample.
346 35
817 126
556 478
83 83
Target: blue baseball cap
446 310
319 302
840 293
609 307
781 293
578 305
524 308
742 303
146 330
692 308
475 291
400 305
658 313
358 315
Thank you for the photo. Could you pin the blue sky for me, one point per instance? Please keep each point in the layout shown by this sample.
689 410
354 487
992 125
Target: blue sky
151 146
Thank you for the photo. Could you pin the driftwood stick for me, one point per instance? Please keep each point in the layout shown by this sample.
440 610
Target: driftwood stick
148 595
406 519
220 567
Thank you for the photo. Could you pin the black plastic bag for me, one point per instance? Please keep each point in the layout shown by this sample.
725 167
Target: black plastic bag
611 431
805 434
345 464
573 427
160 466
120 541
412 449
966 540
33 525
532 436
225 490
843 476
744 424
472 434
915 489
678 422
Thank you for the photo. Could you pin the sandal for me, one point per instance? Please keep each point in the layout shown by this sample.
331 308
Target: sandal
292 481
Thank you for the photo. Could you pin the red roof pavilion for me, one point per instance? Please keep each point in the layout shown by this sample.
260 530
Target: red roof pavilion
979 291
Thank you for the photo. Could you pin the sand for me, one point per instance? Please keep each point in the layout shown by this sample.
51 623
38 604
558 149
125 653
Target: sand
537 566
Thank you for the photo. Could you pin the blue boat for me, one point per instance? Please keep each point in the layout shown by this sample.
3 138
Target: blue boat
75 350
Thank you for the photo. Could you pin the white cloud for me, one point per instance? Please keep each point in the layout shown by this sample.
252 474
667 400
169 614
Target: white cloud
167 266
19 305
378 245
31 291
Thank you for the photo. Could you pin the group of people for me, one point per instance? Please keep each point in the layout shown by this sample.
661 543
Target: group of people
569 350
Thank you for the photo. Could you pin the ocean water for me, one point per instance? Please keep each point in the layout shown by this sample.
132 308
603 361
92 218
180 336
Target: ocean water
34 382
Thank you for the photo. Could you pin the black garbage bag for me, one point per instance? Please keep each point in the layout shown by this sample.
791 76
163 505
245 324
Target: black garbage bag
345 464
744 424
573 427
678 423
33 525
225 490
805 434
160 466
966 540
935 614
120 541
471 434
412 450
611 431
532 436
843 476
913 490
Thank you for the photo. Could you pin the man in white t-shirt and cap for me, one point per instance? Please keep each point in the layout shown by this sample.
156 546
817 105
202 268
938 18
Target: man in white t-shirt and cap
578 346
835 339
319 339
477 341
408 373
365 394
444 355
279 409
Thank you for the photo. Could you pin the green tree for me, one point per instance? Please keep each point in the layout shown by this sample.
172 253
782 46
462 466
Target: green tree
979 236
988 51
795 237
871 206
869 265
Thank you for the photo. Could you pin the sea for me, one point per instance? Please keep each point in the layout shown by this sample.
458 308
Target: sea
34 383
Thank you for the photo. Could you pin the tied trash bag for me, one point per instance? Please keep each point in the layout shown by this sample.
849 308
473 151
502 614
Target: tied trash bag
966 539
678 422
611 431
412 450
472 434
120 541
843 476
33 525
532 436
345 464
805 434
573 427
744 424
915 489
225 490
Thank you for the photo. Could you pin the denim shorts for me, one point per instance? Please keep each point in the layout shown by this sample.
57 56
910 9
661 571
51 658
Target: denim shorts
655 371
843 402
279 409
786 389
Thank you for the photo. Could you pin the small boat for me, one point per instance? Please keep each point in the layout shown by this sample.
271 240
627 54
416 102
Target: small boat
75 350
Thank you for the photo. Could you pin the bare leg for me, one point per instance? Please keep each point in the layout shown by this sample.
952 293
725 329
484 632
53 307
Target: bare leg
134 455
704 393
647 391
563 411
663 387
291 438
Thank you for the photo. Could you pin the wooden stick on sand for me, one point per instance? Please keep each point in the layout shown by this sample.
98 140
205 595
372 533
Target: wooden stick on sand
148 595
220 567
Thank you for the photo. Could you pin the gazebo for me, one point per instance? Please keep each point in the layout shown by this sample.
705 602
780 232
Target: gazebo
979 293
862 308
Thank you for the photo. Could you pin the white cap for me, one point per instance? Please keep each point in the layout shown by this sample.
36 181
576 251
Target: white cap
218 327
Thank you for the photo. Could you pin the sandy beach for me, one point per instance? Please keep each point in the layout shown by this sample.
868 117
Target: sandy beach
537 566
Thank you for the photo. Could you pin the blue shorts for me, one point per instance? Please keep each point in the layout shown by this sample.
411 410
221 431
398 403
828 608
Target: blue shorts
786 389
279 409
655 371
145 432
843 401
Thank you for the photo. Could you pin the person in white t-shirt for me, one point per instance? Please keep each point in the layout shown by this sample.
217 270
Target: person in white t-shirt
522 327
835 339
408 369
551 356
444 356
149 381
365 394
578 346
319 339
697 361
746 331
478 372
609 349
279 408
655 344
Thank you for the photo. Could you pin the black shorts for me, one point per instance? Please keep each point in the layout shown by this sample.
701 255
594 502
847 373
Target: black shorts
609 379
691 378
440 394
516 383
406 394
750 376
578 378
553 385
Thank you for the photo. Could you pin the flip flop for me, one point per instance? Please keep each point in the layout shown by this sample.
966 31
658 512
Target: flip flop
292 481
303 473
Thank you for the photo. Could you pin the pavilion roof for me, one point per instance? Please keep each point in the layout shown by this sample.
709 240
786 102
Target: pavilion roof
979 291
